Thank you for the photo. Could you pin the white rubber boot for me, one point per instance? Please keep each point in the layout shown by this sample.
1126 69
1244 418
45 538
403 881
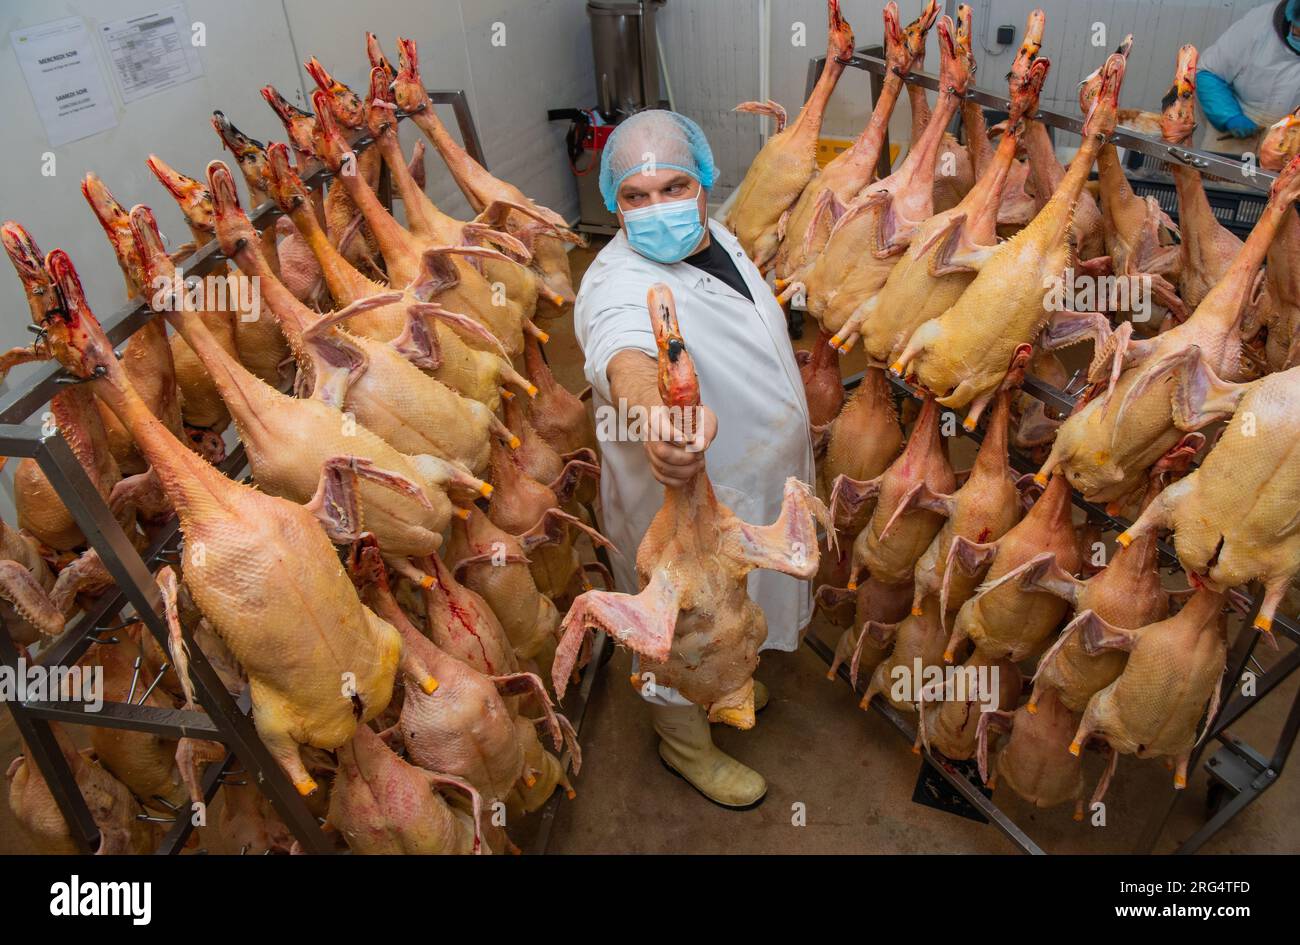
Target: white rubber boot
687 748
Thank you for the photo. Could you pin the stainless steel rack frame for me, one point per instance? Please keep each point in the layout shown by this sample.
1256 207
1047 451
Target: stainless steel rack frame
1239 773
224 719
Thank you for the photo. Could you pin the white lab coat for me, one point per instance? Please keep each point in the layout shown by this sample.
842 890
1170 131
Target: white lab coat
1264 73
748 378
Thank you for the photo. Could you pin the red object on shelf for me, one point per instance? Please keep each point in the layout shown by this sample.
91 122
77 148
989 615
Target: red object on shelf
592 142
596 136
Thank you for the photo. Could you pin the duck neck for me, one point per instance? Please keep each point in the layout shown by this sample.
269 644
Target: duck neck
1114 183
991 461
472 178
692 505
190 482
1052 509
1055 219
868 145
810 116
415 201
293 317
1044 167
920 111
1203 609
918 167
345 283
1233 291
396 244
981 204
1195 216
244 393
539 372
977 136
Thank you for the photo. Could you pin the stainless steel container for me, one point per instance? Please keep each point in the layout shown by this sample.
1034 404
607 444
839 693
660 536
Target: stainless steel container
624 47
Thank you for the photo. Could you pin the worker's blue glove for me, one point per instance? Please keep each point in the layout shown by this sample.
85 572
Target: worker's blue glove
1239 126
1220 105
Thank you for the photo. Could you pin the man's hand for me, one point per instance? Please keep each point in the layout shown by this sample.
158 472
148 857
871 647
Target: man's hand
674 457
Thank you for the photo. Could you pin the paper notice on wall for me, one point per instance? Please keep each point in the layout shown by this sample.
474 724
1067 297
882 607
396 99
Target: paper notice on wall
151 53
61 66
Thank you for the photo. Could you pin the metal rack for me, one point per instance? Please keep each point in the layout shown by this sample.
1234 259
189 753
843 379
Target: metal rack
1206 162
575 707
1239 773
224 719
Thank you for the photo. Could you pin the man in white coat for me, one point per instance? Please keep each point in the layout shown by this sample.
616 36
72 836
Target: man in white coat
655 174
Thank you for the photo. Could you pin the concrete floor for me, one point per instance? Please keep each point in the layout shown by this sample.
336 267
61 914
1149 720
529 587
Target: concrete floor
854 775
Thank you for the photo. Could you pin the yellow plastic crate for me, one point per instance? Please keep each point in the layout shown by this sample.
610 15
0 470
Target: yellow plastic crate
830 148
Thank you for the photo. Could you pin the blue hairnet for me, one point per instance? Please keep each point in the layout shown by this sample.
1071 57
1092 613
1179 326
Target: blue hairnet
667 139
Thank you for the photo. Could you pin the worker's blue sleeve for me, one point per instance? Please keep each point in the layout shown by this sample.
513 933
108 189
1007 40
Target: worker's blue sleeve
1220 105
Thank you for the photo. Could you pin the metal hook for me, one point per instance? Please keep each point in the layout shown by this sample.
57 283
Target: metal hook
236 777
1188 158
153 685
69 380
135 678
119 625
1069 385
154 819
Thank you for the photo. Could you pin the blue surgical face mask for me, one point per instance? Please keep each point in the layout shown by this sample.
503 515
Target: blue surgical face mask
665 232
1293 41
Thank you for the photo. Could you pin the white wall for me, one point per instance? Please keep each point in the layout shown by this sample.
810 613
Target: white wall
173 124
545 63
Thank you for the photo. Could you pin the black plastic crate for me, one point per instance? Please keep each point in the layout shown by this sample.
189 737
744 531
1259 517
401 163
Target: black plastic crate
1238 210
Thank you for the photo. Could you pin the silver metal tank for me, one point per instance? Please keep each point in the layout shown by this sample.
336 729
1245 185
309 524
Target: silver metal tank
624 48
